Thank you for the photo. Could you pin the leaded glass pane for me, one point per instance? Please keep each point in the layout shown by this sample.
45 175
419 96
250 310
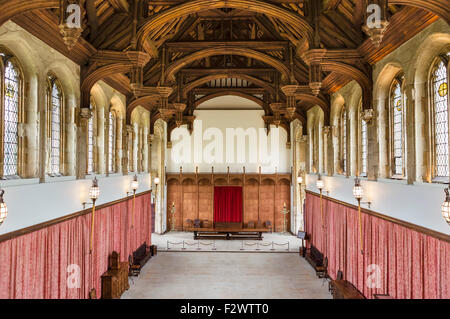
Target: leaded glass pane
440 96
398 129
11 122
90 145
111 142
55 129
363 148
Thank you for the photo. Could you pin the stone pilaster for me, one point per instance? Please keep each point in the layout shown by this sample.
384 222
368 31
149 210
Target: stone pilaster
410 164
82 134
370 117
125 153
328 136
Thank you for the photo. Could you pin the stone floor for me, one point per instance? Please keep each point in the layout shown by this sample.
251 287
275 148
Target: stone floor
282 242
227 275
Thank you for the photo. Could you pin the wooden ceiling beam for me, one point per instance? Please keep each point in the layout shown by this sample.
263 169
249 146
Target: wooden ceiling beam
119 5
256 45
333 4
91 11
208 91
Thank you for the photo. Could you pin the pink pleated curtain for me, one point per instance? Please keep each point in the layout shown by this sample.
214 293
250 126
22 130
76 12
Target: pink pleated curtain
38 265
409 264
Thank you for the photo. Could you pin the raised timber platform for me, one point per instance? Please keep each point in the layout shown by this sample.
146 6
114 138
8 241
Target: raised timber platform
228 232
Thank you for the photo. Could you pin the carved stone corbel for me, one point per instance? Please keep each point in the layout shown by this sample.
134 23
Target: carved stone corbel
376 20
376 34
326 130
70 30
367 115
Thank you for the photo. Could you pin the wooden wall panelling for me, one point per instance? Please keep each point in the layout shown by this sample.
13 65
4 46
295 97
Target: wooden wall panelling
283 196
189 190
173 196
267 200
251 196
263 196
206 199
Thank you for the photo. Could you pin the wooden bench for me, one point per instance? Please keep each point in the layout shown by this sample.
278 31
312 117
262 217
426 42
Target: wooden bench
316 260
140 257
343 289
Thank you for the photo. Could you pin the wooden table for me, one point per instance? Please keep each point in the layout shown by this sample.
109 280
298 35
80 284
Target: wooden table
228 233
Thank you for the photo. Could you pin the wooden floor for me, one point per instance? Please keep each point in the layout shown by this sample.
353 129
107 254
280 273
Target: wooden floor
220 275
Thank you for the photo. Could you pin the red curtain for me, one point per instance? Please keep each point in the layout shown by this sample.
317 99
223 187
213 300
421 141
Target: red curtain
228 204
408 264
36 265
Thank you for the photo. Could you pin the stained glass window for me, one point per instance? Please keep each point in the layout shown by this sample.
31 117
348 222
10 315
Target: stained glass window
344 139
112 139
11 119
363 148
90 150
439 83
55 156
398 130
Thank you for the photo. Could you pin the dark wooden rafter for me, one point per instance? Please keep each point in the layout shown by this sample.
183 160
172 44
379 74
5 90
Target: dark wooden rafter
268 29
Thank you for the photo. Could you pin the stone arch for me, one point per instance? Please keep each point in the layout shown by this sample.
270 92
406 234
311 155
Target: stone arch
316 100
148 102
419 73
315 124
359 76
382 89
26 62
97 75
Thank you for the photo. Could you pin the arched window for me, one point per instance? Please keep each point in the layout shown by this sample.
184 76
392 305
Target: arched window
343 139
363 146
12 96
439 98
397 115
55 100
112 142
90 142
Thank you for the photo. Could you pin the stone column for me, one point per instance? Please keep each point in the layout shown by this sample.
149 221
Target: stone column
125 153
130 131
410 153
328 136
372 144
308 155
82 134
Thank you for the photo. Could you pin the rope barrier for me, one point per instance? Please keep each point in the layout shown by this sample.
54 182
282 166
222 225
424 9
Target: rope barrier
258 245
197 243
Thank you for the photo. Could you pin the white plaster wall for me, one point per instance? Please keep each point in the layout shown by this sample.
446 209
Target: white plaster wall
36 203
223 119
419 204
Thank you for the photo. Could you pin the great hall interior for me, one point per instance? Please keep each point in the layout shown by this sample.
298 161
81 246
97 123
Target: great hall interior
175 149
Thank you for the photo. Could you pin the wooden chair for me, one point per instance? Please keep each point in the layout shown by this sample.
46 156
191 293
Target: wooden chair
268 224
339 276
206 224
251 224
189 223
321 271
197 223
